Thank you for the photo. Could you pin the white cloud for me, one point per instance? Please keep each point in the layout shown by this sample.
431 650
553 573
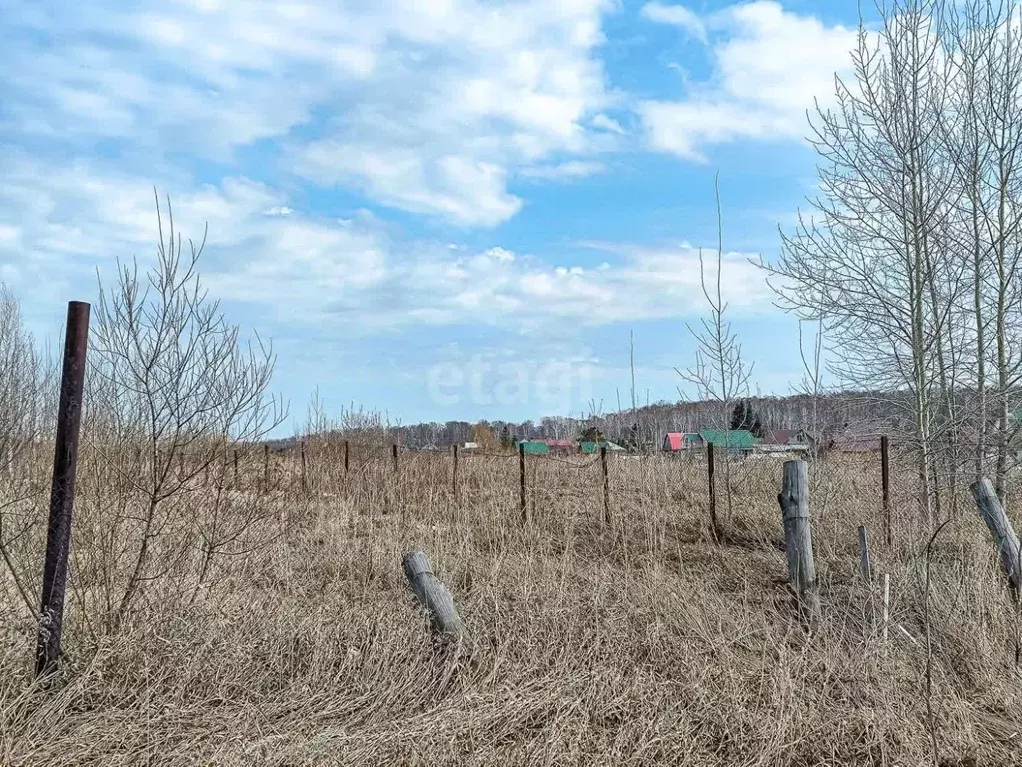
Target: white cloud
603 122
58 224
572 169
769 66
464 190
432 285
677 15
431 107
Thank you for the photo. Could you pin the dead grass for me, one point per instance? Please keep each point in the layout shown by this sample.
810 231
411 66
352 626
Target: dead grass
640 645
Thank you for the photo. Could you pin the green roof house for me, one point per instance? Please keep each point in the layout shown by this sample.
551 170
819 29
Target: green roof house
591 448
735 440
534 447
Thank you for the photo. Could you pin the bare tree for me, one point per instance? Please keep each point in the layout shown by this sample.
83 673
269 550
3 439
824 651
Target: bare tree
875 265
171 386
1001 179
811 384
720 374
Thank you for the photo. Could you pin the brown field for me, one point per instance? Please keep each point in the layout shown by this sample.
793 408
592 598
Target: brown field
298 642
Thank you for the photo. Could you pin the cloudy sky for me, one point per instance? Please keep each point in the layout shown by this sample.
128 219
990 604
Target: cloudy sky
438 208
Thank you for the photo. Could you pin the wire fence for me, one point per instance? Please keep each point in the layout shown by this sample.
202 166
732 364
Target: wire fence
745 484
845 488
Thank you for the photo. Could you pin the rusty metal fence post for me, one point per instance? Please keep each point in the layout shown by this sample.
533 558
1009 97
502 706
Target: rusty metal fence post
62 490
885 480
521 472
606 485
714 526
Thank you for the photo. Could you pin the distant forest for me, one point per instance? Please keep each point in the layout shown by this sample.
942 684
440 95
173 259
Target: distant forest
847 412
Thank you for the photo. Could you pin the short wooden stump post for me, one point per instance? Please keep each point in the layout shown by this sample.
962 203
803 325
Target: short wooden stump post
431 594
798 537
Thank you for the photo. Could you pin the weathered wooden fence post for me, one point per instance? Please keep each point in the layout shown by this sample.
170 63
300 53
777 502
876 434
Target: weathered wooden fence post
431 593
393 455
885 481
235 451
714 527
606 485
864 564
62 489
798 539
346 456
1000 528
521 474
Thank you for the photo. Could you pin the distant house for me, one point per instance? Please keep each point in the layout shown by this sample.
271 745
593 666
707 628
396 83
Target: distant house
777 437
590 448
561 446
471 446
533 446
678 440
854 443
785 440
733 440
613 447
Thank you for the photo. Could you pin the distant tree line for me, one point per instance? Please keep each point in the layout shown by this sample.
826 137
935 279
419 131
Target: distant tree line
646 426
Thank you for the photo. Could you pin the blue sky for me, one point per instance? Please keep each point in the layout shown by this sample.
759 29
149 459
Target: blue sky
445 209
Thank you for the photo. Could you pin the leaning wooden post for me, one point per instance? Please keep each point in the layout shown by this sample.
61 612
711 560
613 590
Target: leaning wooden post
885 480
714 527
345 456
1000 528
798 539
521 474
864 564
431 593
62 489
606 485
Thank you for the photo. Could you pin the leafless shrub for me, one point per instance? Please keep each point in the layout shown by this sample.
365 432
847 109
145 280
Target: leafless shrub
171 389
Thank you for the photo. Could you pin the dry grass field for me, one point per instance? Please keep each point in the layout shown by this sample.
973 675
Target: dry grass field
298 642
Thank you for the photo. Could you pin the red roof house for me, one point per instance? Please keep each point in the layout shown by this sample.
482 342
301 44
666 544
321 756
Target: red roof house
778 436
673 440
681 440
561 445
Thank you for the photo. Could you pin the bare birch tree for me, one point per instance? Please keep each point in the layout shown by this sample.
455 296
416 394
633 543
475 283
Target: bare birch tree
720 373
871 262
